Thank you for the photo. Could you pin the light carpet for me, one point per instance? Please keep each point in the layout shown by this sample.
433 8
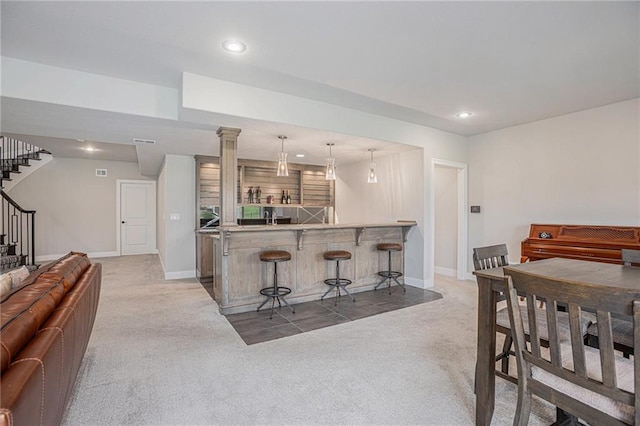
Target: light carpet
161 354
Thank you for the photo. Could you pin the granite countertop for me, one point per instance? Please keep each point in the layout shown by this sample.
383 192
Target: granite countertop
296 227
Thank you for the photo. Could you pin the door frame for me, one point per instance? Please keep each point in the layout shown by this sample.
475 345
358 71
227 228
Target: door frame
461 262
119 183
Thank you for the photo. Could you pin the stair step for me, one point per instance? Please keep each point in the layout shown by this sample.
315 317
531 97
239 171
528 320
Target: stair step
12 167
7 250
27 157
10 262
7 172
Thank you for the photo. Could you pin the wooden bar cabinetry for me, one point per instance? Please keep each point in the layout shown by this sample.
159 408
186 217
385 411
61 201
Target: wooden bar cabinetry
239 275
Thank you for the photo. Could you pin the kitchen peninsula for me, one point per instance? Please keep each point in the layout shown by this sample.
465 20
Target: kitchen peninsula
230 251
238 273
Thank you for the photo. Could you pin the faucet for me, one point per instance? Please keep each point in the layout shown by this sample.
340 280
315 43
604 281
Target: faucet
273 219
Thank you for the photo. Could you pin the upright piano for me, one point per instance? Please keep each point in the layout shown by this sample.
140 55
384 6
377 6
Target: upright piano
584 242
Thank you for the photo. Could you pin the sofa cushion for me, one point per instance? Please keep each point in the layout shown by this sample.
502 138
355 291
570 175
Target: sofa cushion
69 268
24 310
23 313
36 386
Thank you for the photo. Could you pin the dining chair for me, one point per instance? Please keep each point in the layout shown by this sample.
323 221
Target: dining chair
497 256
594 385
494 257
622 329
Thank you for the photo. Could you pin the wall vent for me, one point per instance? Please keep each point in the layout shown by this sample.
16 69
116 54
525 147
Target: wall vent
101 172
144 141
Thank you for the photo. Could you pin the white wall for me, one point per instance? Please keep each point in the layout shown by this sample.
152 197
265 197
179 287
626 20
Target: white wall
46 83
446 219
403 191
177 193
581 168
223 97
398 195
75 209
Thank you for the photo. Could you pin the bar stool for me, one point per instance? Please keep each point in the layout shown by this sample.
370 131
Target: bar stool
275 292
337 282
389 275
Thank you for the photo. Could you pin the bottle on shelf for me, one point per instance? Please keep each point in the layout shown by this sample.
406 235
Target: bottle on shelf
288 197
283 199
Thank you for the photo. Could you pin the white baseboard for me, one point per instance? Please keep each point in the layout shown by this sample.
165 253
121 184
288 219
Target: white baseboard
447 272
50 257
470 276
417 282
177 275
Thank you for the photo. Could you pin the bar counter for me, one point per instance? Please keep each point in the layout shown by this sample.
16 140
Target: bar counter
238 273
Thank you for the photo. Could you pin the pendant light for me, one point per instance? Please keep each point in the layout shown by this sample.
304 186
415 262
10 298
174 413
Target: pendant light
283 168
372 178
331 165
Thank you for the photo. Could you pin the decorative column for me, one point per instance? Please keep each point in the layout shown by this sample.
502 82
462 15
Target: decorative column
228 174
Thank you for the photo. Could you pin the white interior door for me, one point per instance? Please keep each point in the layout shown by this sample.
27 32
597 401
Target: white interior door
137 217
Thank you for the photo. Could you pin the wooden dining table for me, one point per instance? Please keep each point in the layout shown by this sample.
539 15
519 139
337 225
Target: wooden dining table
491 283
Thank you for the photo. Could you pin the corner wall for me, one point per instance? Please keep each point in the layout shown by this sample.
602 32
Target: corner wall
403 191
75 210
176 196
580 168
398 195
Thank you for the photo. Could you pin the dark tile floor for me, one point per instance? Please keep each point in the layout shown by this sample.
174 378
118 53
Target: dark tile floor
256 327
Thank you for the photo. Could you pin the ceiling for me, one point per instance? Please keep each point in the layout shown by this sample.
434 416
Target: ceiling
508 63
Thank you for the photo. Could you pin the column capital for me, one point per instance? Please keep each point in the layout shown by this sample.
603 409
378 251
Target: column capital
228 131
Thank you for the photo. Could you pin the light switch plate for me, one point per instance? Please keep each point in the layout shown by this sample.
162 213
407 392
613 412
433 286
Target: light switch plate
174 216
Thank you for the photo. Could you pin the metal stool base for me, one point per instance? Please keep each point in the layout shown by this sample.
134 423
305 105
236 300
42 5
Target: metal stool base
275 293
338 283
388 276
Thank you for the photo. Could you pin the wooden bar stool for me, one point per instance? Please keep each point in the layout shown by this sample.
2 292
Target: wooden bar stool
275 292
389 275
337 282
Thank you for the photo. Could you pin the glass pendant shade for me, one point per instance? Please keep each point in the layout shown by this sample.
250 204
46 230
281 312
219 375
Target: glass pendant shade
331 165
283 168
331 169
372 177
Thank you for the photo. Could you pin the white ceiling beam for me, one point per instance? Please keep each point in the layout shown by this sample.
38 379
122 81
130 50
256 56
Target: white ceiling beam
45 83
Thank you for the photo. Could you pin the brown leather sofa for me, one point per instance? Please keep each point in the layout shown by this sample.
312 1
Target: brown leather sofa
46 324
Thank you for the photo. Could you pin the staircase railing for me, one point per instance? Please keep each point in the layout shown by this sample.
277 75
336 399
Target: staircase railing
15 153
18 226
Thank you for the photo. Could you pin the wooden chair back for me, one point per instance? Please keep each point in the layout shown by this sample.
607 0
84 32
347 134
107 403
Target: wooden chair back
563 373
631 257
490 257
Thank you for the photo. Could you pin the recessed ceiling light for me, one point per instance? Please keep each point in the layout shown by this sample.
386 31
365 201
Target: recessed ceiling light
464 114
300 155
234 46
89 148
